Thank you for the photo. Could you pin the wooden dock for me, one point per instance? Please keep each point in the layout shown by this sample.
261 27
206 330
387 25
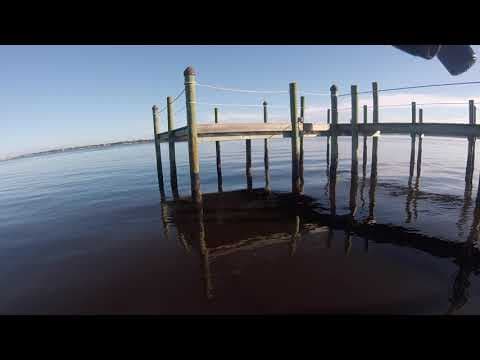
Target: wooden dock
283 223
297 130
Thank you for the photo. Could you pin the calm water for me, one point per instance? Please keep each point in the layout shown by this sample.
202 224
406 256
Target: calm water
84 233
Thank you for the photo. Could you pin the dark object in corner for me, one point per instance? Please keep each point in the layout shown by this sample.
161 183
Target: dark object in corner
455 58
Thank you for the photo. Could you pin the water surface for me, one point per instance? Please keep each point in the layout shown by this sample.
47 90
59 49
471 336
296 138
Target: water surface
84 232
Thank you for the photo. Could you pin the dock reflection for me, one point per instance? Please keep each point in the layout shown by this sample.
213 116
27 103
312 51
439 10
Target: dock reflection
233 222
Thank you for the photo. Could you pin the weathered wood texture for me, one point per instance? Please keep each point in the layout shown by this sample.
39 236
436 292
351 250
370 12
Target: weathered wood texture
158 153
219 158
295 141
266 160
300 164
243 131
192 132
248 164
171 148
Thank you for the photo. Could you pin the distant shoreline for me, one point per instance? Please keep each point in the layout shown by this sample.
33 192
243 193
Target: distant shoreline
75 148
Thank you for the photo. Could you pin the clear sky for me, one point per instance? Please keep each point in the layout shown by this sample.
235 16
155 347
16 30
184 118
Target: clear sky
53 96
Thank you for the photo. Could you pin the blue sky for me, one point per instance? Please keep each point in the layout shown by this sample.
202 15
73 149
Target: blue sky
53 96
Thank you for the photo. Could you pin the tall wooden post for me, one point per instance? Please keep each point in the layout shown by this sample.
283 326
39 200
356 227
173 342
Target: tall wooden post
219 159
333 131
373 170
328 140
373 182
334 152
302 115
156 131
171 148
248 168
375 102
296 187
354 125
354 160
190 98
471 146
266 160
420 141
413 137
364 157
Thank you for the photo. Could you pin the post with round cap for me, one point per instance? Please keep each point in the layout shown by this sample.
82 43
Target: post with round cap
296 187
334 151
171 148
413 138
266 160
219 159
156 131
190 98
300 165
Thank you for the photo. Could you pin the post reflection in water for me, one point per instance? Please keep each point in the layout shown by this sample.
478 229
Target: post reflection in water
230 222
467 198
468 263
240 222
410 191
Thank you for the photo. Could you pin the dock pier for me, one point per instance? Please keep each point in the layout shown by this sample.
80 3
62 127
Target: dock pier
299 131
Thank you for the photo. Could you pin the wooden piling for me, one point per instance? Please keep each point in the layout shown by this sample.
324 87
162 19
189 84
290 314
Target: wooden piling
300 165
219 159
420 144
413 137
373 182
375 102
471 146
296 187
334 150
248 168
328 140
266 160
190 98
354 160
156 131
171 148
373 170
333 132
354 125
364 157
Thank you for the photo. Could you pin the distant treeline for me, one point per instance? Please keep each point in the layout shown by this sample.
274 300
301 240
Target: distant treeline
76 148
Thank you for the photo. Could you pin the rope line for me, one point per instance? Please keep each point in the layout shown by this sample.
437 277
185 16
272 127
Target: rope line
239 105
243 90
178 96
431 85
341 95
416 87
